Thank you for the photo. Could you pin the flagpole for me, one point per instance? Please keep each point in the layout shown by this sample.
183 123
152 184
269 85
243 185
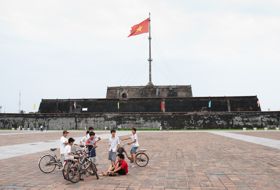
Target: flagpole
150 53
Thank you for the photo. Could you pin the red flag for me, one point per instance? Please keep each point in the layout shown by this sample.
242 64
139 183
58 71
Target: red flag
142 27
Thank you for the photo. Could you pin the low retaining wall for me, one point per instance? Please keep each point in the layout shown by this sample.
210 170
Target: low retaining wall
199 120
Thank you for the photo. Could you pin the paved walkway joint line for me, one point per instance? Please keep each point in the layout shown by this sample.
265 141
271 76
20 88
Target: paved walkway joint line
256 140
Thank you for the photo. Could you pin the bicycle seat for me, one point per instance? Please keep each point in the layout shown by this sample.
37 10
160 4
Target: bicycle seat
53 149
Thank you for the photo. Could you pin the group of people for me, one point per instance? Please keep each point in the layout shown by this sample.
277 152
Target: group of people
118 165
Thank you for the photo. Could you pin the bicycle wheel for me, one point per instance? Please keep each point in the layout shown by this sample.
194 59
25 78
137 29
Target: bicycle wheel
142 159
47 164
74 173
65 169
89 169
86 167
94 169
86 164
65 173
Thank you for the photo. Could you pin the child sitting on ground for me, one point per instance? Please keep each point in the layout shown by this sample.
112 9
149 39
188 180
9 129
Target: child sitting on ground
119 168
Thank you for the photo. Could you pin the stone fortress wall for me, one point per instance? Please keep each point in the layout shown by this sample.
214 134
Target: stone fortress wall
147 107
191 120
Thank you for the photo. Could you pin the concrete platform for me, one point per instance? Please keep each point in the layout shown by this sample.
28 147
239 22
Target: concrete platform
178 160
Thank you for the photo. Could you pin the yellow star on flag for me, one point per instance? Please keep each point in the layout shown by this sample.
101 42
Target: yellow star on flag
139 29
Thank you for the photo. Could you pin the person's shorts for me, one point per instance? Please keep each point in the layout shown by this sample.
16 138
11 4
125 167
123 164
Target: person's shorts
133 150
62 158
112 156
92 152
121 172
70 157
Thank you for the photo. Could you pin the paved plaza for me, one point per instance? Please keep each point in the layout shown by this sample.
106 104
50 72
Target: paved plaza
212 160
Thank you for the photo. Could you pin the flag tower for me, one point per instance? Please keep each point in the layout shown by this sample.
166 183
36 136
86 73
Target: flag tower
150 53
145 27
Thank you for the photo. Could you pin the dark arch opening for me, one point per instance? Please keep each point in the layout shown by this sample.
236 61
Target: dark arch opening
124 95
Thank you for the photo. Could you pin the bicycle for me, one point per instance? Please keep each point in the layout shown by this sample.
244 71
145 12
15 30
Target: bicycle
49 162
73 169
141 158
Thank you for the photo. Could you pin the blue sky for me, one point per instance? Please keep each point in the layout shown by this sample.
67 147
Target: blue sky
75 49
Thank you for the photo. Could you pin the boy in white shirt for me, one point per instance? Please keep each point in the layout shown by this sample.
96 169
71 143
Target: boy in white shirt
134 143
114 142
63 143
68 150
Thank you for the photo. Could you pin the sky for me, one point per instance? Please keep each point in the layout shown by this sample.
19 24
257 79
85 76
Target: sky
75 49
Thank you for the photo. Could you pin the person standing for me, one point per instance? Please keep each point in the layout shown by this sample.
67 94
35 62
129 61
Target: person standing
91 129
63 143
114 143
91 145
134 143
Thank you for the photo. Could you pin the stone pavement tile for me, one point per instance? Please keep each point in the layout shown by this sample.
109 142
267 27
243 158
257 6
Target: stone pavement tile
225 180
158 187
123 185
231 187
146 188
181 184
134 187
215 181
195 188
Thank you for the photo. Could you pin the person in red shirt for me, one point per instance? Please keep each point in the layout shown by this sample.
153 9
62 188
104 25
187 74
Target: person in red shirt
119 168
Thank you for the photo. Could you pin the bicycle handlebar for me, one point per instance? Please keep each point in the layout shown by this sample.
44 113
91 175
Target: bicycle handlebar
123 145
